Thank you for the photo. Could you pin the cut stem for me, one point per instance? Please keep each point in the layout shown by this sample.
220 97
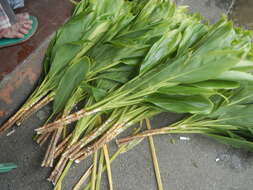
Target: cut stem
42 138
94 171
90 149
62 146
83 178
108 166
75 148
26 107
65 121
100 170
146 133
46 100
154 158
114 156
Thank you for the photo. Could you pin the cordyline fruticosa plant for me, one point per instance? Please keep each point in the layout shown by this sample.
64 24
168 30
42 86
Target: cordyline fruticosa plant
122 62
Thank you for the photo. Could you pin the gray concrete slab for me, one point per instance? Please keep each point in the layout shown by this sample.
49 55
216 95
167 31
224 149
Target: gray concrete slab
197 164
242 13
16 86
210 9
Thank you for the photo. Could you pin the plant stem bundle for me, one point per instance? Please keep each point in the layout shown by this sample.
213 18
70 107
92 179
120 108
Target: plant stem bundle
120 62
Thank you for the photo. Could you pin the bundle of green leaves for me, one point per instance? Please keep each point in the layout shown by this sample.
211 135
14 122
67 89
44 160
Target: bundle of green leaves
122 62
230 121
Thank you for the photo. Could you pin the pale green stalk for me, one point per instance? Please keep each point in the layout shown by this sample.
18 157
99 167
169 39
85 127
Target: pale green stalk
100 170
94 171
114 156
108 166
154 158
83 178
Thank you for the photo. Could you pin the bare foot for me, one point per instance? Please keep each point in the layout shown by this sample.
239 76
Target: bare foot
18 30
22 16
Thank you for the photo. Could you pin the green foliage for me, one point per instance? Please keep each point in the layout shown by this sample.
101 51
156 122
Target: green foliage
7 167
126 61
181 104
150 53
70 81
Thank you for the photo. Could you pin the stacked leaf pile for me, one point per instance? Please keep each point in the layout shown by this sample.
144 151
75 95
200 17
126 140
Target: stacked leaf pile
124 61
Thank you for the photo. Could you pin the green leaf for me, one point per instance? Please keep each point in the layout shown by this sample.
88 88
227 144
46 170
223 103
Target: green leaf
244 95
181 104
69 82
219 36
97 93
80 7
62 57
244 65
191 35
122 68
235 76
7 167
217 84
109 7
153 11
121 77
48 56
74 29
238 115
185 90
235 136
237 143
204 67
250 130
188 69
106 85
161 49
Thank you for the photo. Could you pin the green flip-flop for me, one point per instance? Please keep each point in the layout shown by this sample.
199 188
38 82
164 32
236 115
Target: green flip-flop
5 42
7 167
